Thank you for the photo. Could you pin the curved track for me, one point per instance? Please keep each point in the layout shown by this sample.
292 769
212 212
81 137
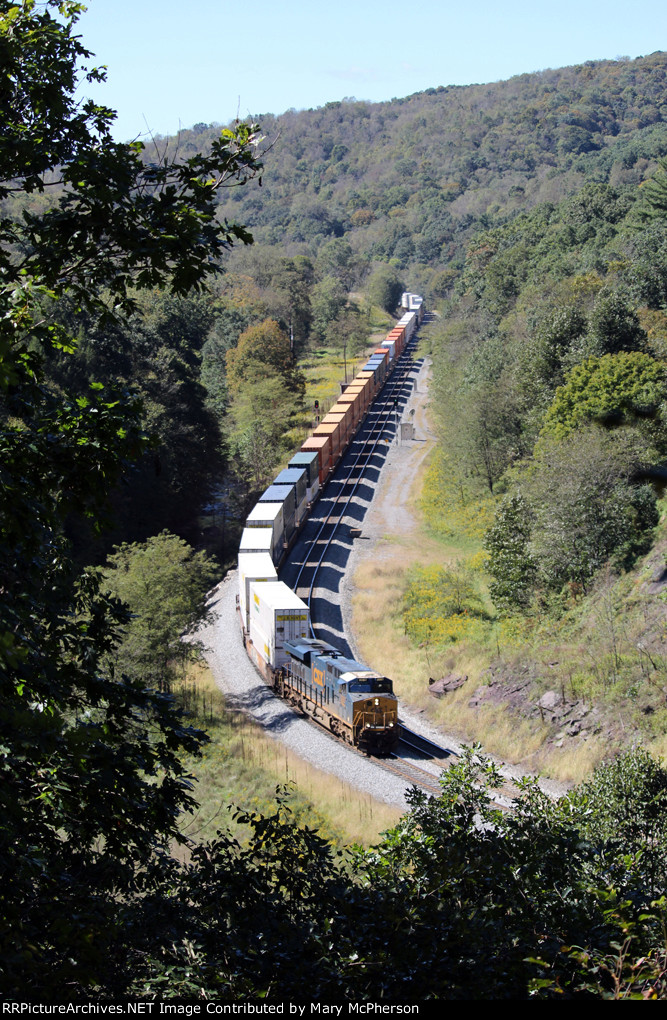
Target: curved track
319 558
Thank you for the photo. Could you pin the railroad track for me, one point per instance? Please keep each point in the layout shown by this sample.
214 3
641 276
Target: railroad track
428 749
411 773
363 458
412 743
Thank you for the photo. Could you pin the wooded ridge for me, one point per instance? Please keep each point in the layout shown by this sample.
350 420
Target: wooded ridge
126 389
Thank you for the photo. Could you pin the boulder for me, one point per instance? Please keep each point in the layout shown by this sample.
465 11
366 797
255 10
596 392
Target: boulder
438 688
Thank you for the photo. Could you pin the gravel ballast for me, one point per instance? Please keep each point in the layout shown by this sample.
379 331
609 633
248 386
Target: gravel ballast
244 689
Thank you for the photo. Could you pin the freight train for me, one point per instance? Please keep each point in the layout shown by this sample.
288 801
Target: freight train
354 702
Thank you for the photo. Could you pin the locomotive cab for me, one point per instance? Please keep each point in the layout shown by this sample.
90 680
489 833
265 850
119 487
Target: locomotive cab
374 711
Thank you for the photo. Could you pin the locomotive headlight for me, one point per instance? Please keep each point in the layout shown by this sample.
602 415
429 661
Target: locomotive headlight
377 701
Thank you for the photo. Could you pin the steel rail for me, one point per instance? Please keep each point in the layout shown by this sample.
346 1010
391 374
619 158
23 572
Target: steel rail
412 773
341 501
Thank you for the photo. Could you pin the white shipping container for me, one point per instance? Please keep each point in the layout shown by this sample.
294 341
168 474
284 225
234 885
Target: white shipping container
276 615
257 540
253 567
261 644
413 303
409 320
269 515
391 347
417 305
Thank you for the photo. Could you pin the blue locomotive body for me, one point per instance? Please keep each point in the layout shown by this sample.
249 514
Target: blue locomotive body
355 702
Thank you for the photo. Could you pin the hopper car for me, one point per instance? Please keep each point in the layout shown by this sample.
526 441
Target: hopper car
352 701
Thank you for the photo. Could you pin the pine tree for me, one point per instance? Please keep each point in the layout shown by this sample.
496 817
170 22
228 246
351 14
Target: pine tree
507 541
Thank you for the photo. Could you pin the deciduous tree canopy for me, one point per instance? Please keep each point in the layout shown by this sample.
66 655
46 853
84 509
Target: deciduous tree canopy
611 390
91 780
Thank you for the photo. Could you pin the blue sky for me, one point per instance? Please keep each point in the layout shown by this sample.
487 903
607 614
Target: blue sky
174 64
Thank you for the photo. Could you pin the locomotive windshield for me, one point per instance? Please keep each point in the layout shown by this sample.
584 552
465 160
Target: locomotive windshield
372 685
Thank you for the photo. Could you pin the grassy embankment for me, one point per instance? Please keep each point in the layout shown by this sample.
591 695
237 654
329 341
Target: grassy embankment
241 767
605 650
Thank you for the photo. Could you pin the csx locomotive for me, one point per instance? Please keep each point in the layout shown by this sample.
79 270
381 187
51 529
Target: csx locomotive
357 704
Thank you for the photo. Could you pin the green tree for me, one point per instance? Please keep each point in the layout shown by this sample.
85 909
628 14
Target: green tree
624 388
266 389
587 507
336 258
654 195
384 288
623 808
459 900
511 565
329 298
348 333
92 785
163 582
232 314
288 298
263 351
256 445
613 327
258 421
488 411
549 346
157 354
492 430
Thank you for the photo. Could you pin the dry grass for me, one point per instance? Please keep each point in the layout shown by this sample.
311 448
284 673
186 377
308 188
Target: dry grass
518 741
521 742
377 622
241 766
382 642
576 762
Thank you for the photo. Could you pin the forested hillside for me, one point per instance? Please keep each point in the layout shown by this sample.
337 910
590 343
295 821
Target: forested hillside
472 195
414 179
530 215
129 391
